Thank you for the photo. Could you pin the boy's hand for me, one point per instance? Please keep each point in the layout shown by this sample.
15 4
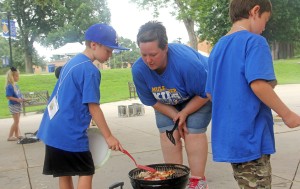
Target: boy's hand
291 119
114 143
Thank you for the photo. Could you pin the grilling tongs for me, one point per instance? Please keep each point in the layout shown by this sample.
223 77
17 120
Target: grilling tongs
170 133
137 165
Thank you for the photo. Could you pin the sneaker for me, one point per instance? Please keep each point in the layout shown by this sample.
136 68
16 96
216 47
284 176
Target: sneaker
197 183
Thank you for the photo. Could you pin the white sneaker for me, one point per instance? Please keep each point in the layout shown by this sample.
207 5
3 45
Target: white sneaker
197 183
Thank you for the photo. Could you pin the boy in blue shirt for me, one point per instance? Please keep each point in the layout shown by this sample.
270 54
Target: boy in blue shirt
240 84
73 103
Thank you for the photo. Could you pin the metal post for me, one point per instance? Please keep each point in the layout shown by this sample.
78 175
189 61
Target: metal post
9 39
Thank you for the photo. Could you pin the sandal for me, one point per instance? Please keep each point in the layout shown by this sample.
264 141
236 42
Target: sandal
12 138
20 137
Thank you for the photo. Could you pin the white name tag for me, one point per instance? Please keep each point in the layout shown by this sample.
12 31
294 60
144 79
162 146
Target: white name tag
52 107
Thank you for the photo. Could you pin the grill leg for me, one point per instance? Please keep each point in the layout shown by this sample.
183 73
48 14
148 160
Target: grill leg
117 184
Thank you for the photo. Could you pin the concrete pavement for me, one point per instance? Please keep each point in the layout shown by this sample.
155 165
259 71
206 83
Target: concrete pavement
21 165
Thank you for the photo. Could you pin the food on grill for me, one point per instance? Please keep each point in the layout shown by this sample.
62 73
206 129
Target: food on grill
178 178
158 175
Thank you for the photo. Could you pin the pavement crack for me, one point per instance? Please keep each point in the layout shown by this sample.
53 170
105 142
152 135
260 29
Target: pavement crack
294 130
27 167
295 175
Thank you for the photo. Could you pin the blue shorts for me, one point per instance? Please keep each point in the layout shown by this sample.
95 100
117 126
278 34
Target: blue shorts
197 122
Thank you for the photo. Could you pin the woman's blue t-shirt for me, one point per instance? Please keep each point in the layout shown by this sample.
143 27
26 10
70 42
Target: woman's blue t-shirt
184 77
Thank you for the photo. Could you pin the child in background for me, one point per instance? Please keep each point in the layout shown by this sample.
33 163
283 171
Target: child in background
240 84
14 96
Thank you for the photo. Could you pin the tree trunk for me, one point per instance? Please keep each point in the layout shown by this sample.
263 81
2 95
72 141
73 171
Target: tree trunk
282 50
189 24
28 48
28 63
274 48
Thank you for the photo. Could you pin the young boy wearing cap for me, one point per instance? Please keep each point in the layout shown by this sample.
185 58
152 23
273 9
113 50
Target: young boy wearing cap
240 83
72 105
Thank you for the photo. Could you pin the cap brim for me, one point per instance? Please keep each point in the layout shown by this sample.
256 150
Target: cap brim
117 47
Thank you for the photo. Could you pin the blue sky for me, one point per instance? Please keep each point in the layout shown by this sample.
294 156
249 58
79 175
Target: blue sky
126 18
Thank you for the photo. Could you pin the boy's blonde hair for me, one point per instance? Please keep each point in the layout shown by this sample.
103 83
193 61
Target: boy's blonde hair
239 9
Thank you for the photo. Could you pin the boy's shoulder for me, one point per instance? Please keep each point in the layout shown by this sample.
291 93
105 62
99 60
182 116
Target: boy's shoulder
243 37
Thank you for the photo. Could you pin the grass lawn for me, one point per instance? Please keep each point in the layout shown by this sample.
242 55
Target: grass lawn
114 83
287 71
114 87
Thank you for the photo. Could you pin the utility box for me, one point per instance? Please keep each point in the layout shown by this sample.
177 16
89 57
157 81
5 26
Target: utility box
122 111
132 110
139 109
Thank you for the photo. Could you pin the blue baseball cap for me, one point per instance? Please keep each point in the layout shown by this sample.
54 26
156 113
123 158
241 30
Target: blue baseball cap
103 34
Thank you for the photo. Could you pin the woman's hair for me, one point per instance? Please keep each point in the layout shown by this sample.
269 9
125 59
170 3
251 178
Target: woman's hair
10 76
239 9
153 31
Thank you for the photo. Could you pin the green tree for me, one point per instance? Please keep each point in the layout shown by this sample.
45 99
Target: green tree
18 55
211 18
283 29
63 20
121 59
89 12
182 10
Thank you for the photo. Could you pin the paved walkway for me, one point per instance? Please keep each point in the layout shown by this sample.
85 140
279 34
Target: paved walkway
21 165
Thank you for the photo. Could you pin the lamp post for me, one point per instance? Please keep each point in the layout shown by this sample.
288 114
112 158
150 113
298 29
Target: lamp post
9 38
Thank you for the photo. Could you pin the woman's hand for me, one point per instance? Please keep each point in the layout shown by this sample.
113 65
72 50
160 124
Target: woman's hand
182 128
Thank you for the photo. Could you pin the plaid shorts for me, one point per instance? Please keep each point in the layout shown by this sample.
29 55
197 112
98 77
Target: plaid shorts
15 108
256 174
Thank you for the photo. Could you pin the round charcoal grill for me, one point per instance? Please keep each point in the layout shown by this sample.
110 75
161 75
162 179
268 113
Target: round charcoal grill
178 180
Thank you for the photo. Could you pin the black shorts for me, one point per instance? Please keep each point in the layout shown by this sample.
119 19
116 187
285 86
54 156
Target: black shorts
63 163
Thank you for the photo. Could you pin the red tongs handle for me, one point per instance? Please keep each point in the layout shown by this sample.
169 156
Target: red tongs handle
129 155
137 165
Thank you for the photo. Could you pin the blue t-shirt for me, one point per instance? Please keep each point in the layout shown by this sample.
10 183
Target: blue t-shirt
77 86
184 77
10 91
242 125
